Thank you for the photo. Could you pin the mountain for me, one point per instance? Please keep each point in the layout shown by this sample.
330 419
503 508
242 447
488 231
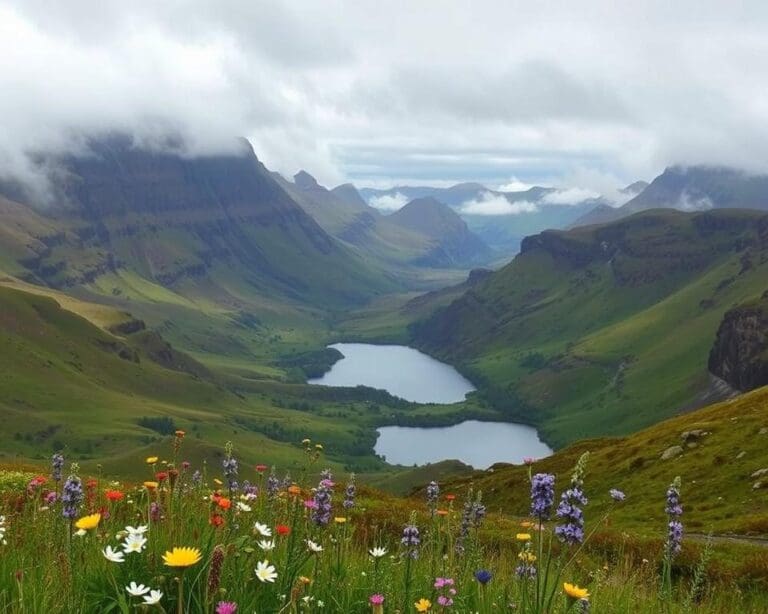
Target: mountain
454 244
385 239
500 219
605 329
692 188
194 222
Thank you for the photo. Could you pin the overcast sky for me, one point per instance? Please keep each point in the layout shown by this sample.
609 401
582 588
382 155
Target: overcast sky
580 94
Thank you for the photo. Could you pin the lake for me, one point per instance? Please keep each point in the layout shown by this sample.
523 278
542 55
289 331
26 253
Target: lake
400 370
479 444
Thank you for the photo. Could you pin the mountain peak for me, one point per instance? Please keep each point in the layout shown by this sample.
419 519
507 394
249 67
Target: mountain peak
305 181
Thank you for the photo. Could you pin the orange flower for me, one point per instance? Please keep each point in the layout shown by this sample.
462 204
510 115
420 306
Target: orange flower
216 520
282 529
180 434
114 495
151 485
442 512
223 503
91 483
294 490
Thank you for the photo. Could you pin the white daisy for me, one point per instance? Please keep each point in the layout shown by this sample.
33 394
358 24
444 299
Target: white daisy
140 530
265 572
243 507
153 597
267 544
113 555
134 543
262 529
377 552
137 590
80 532
313 547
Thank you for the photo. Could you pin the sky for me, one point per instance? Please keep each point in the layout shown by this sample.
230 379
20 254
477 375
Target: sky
583 95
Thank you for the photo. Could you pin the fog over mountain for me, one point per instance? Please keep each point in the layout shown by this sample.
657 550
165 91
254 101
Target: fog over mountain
579 96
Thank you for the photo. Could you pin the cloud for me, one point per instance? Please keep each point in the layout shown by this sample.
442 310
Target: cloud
569 196
514 185
489 203
689 202
388 202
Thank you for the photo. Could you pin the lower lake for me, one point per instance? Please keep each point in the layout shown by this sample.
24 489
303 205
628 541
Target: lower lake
475 443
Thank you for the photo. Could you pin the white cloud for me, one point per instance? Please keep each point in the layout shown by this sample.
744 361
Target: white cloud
514 185
494 204
687 202
388 202
569 196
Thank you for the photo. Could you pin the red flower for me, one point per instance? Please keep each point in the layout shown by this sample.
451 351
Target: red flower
282 529
261 468
161 475
91 483
450 497
217 520
223 503
114 495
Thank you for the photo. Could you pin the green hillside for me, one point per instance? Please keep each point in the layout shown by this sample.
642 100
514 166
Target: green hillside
607 329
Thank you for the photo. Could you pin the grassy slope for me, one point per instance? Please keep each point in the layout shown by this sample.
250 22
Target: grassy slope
569 347
717 490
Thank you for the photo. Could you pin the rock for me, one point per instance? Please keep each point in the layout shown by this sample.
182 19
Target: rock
763 431
741 455
691 444
693 434
759 473
757 485
671 452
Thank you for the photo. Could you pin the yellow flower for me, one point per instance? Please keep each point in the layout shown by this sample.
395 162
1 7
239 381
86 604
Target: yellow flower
181 557
527 557
340 520
306 442
526 524
423 605
304 580
217 481
574 592
86 523
318 446
523 537
151 485
151 460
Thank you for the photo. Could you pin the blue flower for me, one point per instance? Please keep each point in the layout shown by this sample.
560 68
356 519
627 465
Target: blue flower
483 576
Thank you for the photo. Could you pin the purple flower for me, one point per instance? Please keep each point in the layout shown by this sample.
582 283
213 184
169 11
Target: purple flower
155 511
250 489
349 493
226 607
57 464
542 495
71 497
197 477
572 530
411 541
525 571
433 492
617 495
230 467
321 514
674 511
444 601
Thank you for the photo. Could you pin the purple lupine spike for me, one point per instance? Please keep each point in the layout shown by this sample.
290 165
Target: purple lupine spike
71 497
542 495
433 492
349 493
57 465
411 541
273 486
674 510
321 512
572 530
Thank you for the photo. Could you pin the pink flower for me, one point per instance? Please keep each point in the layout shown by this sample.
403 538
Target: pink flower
226 607
444 601
528 460
376 599
310 504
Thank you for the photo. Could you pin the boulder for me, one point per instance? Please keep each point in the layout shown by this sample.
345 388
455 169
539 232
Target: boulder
693 435
671 452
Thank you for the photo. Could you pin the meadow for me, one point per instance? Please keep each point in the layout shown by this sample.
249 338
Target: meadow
228 537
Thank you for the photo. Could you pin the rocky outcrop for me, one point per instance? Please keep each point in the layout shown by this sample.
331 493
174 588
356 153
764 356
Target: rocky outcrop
740 353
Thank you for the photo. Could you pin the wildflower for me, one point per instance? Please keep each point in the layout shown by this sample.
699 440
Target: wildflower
224 503
282 529
57 464
472 516
483 576
444 601
310 504
572 530
242 507
523 537
2 531
262 529
151 485
433 492
155 511
136 590
411 540
441 512
71 497
180 434
114 495
617 495
273 486
450 498
218 482
674 511
377 552
265 572
151 460
226 607
161 476
113 555
185 465
295 490
140 530
153 598
314 547
306 442
526 569
349 493
321 514
340 520
423 605
86 523
528 460
197 477
214 571
377 603
267 544
181 557
574 592
261 468
229 464
542 495
134 542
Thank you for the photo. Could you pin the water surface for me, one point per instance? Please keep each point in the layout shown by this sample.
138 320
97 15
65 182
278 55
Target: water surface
400 370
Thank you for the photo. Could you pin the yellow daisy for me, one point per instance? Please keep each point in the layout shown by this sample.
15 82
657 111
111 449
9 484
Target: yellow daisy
423 605
182 557
574 592
86 523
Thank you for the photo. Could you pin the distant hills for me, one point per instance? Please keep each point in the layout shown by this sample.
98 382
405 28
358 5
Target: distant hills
691 188
606 329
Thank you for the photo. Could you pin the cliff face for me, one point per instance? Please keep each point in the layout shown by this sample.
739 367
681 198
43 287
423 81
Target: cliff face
740 353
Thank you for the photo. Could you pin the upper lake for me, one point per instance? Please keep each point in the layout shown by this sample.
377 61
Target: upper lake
400 370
